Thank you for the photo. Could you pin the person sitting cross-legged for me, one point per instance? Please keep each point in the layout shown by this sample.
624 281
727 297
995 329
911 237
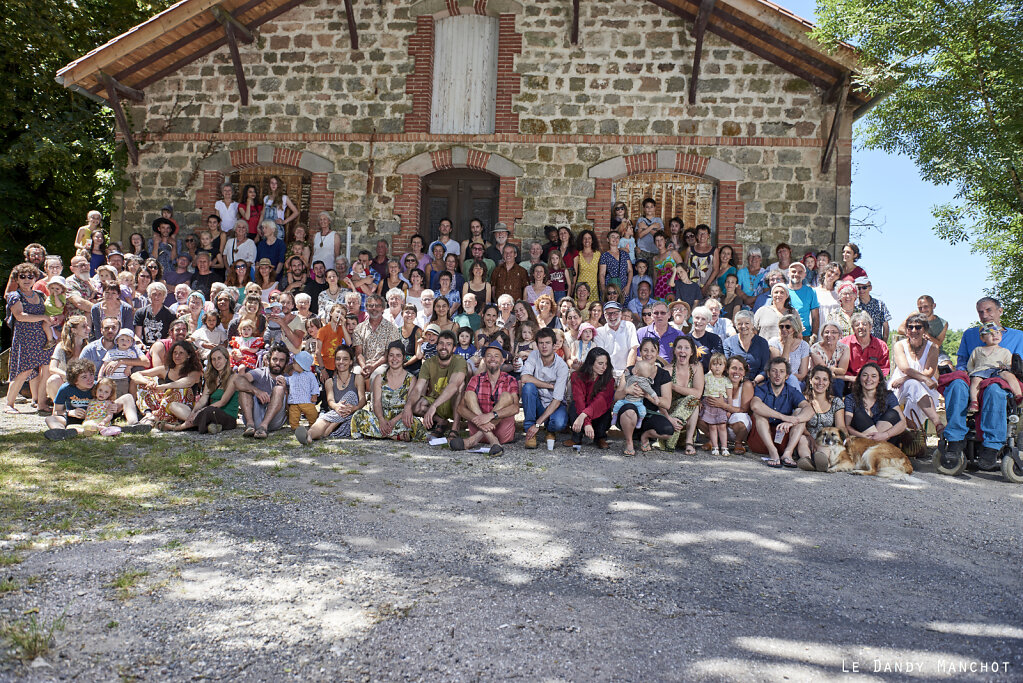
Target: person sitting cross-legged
262 393
438 391
780 412
490 404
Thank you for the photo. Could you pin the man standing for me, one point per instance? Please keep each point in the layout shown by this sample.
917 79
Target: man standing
476 254
80 292
437 393
450 246
373 335
992 420
204 277
262 393
153 322
509 277
369 276
784 254
179 274
495 252
659 330
644 288
379 264
780 412
315 285
804 300
618 337
489 405
544 384
879 314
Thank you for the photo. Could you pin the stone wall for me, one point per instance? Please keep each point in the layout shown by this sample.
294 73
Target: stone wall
620 92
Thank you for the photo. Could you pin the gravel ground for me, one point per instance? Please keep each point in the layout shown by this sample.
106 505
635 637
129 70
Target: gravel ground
368 561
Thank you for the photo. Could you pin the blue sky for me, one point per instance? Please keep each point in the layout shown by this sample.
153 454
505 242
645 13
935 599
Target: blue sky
906 259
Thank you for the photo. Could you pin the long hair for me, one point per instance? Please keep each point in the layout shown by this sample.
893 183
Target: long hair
191 364
827 392
586 369
67 335
880 394
218 380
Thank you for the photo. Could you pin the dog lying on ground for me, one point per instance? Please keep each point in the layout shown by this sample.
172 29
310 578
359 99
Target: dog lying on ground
862 456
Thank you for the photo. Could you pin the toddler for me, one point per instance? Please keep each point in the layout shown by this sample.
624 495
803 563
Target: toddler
525 334
642 376
124 349
585 342
303 391
988 361
428 342
559 343
246 346
716 385
100 411
54 307
466 349
627 243
209 336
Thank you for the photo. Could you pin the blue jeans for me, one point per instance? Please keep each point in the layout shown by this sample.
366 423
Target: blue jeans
532 409
992 416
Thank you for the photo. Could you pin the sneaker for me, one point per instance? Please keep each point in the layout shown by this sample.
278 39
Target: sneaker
496 450
302 434
531 442
951 453
820 461
987 459
215 428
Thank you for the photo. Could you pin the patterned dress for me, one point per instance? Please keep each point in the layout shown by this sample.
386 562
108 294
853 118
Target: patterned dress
617 271
392 402
347 395
29 339
588 272
156 402
662 277
682 406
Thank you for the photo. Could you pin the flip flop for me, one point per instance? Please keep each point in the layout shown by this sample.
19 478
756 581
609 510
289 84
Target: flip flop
773 463
690 449
645 447
11 410
789 462
629 452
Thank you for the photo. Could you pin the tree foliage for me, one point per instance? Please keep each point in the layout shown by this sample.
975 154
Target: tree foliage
952 74
57 152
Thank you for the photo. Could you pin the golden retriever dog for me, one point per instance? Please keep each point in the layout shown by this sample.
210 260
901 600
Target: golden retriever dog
862 456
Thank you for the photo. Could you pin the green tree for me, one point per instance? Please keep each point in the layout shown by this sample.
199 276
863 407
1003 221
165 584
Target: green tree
57 154
951 345
951 74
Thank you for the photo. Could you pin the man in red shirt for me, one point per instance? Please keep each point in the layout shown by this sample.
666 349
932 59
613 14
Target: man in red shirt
490 404
864 347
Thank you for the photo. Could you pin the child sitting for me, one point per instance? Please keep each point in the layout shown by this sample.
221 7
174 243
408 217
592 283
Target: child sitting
124 349
54 307
642 376
716 385
100 411
303 391
583 344
525 344
466 349
246 346
428 342
988 361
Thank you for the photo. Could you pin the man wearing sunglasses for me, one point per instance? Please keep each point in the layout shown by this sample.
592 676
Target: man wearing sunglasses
660 330
875 307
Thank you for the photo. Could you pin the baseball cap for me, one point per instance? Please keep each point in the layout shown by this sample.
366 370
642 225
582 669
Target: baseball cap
612 306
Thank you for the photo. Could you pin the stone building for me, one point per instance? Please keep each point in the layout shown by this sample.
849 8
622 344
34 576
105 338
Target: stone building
391 114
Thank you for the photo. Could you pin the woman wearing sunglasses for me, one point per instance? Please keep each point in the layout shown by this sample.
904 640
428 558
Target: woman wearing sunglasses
914 379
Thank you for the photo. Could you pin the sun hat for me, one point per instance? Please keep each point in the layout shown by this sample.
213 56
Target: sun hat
304 359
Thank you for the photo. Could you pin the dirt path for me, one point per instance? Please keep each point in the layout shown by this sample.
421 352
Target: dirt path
229 559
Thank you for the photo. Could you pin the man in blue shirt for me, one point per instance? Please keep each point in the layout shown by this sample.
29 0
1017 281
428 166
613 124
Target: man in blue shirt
804 299
780 413
957 394
660 330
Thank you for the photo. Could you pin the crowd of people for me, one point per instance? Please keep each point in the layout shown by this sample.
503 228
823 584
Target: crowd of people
255 321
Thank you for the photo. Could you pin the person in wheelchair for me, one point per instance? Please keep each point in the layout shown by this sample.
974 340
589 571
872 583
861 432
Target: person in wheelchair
992 419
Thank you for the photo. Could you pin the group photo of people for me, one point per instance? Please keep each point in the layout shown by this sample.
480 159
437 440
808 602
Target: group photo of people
652 335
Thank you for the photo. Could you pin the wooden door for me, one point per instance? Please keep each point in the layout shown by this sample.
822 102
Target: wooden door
460 194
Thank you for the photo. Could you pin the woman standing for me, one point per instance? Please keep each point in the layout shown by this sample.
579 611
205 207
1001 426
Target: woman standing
97 251
559 275
271 248
790 345
442 315
409 336
416 287
871 411
842 316
587 264
477 284
216 409
346 394
539 286
110 306
914 378
568 253
686 392
827 412
166 395
571 321
390 390
657 424
731 300
250 210
394 279
544 307
591 398
832 354
615 268
703 258
330 337
332 295
140 298
850 255
298 245
417 249
706 342
137 246
489 327
725 267
829 276
664 268
265 279
278 208
29 356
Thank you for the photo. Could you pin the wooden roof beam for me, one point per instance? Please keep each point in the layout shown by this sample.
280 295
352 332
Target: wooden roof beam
122 121
226 19
236 60
836 124
353 33
575 22
699 29
121 89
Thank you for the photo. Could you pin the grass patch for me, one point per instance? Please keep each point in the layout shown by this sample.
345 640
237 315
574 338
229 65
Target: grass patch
7 559
83 483
30 637
7 585
125 581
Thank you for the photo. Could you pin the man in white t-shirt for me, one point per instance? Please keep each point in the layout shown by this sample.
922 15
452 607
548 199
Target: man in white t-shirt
618 338
450 246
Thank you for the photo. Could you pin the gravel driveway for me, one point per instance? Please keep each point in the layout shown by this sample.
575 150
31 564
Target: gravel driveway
365 560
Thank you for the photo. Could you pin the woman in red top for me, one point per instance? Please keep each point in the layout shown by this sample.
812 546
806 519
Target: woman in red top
593 390
850 255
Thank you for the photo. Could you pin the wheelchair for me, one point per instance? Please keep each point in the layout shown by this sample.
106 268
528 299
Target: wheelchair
1010 456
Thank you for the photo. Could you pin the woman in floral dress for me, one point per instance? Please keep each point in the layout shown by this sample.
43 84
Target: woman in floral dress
382 418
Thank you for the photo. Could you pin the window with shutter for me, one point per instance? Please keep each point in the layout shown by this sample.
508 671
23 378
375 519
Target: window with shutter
464 75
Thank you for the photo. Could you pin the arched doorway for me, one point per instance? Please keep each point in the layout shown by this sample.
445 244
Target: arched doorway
460 194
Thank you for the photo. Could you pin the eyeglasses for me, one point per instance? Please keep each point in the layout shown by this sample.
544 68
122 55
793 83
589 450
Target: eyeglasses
785 327
240 266
26 276
659 313
647 314
914 327
862 287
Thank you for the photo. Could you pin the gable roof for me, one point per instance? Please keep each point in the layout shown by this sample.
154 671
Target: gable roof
188 31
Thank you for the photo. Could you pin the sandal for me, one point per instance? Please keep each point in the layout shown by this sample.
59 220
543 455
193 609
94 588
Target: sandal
259 433
249 432
690 449
789 462
11 410
629 451
456 443
773 463
974 407
739 449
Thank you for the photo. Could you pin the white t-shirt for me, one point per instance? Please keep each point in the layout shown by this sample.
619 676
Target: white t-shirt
323 248
228 215
245 251
618 343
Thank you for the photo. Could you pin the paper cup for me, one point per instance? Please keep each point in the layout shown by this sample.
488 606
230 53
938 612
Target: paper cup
550 444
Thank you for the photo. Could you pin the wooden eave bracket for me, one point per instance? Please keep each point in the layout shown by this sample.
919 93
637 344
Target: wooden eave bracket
235 30
575 22
115 91
699 29
841 97
353 33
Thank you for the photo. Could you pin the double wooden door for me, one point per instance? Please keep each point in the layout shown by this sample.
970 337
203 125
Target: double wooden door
460 194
